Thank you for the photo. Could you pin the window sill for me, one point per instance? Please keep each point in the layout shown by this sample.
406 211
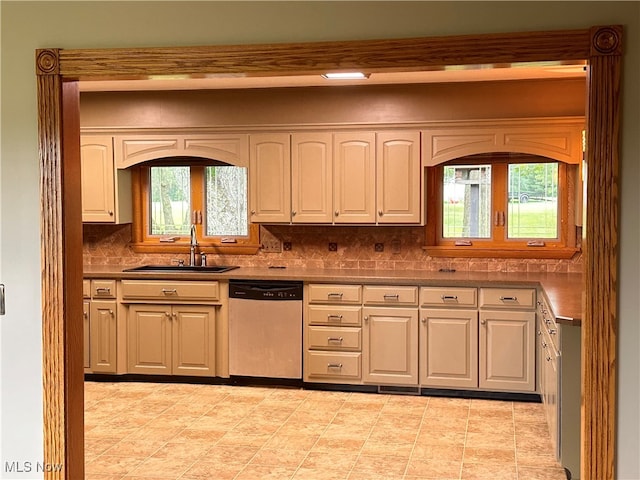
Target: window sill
238 249
473 252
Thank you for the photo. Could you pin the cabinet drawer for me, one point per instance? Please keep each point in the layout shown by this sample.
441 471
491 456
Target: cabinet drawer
335 338
171 291
319 293
327 315
333 365
448 296
381 295
103 288
508 297
86 288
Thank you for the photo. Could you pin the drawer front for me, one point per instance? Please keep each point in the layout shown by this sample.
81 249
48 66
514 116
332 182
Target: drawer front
508 297
335 338
103 288
333 365
86 288
327 315
319 293
171 291
448 296
382 295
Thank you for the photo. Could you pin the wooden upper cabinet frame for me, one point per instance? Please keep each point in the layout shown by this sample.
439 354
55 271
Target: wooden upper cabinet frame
58 70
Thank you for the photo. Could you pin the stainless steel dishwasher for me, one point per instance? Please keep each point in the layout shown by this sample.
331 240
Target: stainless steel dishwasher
265 328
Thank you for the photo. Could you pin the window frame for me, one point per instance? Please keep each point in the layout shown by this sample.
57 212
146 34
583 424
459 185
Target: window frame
144 242
499 245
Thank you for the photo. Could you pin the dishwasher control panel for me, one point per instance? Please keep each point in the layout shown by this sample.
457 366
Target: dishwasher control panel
265 290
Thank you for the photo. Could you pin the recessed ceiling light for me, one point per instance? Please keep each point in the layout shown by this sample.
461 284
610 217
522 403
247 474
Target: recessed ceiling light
346 76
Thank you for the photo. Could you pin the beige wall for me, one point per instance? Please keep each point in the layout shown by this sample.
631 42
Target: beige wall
30 25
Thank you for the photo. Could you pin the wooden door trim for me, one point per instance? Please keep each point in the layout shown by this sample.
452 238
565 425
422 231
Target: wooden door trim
57 70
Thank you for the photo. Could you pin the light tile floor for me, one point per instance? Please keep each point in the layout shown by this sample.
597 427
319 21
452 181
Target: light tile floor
151 431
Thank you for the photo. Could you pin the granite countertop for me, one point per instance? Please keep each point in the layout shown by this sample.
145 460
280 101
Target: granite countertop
563 290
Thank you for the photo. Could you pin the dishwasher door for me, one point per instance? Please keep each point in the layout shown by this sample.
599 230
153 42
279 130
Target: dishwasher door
265 329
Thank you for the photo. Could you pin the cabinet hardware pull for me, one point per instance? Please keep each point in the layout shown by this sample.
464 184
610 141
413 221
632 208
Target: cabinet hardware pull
331 317
293 213
336 213
334 365
449 297
380 213
334 339
111 312
169 291
509 299
392 296
334 295
86 315
174 316
253 212
552 331
548 359
544 344
502 219
103 290
366 319
424 320
483 322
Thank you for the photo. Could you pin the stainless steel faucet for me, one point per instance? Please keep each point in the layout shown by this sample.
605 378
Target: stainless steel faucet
193 244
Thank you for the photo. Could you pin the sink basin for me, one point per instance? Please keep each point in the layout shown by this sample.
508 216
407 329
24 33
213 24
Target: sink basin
182 268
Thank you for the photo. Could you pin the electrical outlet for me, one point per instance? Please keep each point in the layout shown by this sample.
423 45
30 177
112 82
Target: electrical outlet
378 247
333 247
395 246
286 246
271 245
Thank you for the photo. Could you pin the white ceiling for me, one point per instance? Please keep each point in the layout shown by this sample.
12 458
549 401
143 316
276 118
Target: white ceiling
473 73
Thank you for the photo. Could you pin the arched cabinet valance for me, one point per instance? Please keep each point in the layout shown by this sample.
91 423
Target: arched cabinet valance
130 150
556 138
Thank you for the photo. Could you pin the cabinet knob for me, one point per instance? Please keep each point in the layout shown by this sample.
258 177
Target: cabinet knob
293 213
336 213
424 320
380 213
110 212
483 322
366 319
253 212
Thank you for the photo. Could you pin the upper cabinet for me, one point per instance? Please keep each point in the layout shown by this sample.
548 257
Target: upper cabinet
341 178
106 192
270 177
398 177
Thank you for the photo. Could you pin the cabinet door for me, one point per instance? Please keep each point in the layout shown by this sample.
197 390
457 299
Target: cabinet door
86 326
270 177
449 348
98 187
102 331
194 340
390 346
507 351
311 178
149 339
398 177
354 177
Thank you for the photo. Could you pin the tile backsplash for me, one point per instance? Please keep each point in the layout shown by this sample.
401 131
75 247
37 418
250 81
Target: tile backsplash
358 247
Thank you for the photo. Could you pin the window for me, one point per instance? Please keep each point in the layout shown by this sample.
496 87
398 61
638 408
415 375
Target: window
172 197
501 205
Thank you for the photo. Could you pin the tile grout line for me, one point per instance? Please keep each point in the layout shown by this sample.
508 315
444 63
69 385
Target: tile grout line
424 413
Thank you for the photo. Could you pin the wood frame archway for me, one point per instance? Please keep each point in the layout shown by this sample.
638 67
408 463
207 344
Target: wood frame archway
58 72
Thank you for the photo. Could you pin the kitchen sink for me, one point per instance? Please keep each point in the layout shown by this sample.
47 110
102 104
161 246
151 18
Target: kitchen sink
182 268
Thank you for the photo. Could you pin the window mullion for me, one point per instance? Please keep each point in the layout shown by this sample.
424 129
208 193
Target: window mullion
197 199
499 202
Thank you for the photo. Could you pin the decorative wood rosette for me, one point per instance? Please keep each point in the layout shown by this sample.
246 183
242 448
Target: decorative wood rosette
48 61
606 40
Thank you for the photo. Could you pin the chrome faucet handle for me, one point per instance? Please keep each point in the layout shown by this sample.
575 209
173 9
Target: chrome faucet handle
178 261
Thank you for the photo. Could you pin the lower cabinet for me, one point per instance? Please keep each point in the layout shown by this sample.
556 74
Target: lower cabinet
103 340
390 346
449 348
172 339
507 350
